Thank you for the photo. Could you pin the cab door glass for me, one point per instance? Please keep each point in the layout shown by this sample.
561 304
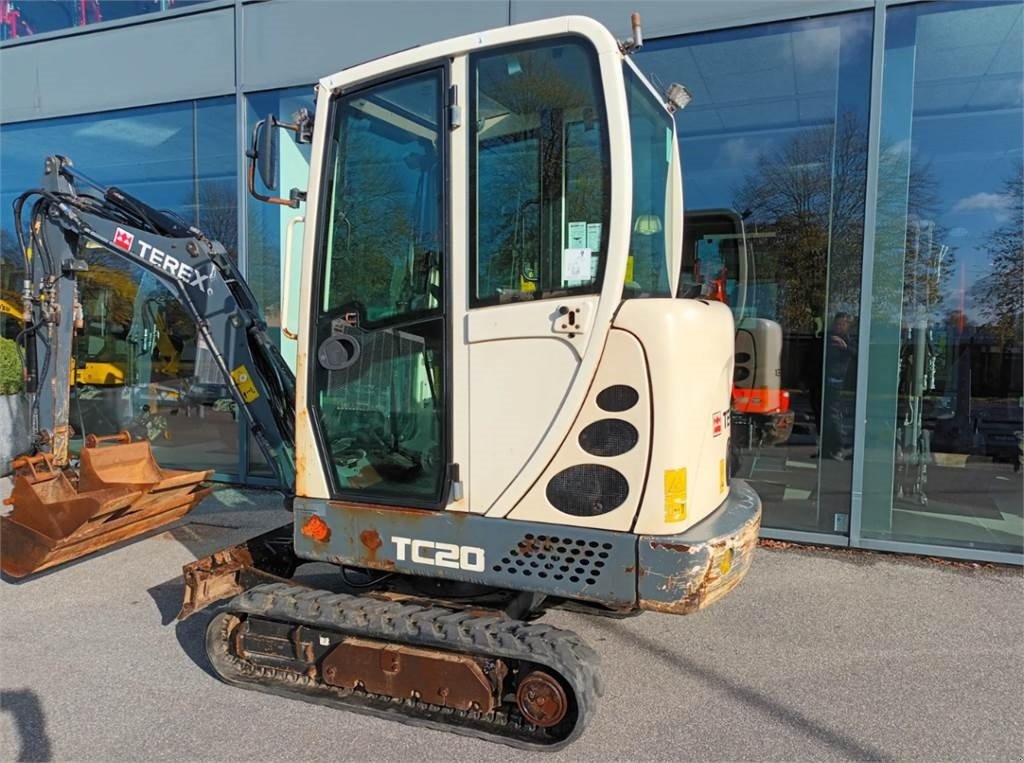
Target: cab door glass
380 330
540 168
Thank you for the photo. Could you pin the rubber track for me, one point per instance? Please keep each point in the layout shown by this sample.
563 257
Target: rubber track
427 625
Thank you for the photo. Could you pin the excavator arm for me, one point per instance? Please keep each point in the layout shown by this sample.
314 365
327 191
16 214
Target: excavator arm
66 222
119 491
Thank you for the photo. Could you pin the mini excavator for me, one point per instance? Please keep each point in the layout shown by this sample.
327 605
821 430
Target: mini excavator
501 402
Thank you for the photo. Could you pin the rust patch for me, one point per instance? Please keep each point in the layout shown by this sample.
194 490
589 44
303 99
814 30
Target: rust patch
393 670
727 560
371 539
362 508
541 699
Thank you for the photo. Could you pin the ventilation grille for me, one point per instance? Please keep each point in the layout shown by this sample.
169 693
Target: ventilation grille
551 557
587 490
608 437
618 397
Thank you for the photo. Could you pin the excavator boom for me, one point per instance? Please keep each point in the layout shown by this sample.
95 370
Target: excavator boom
119 491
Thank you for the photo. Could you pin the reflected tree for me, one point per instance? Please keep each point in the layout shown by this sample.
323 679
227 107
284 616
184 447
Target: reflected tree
218 212
1001 294
809 193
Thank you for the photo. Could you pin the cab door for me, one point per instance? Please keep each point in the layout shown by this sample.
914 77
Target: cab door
539 192
378 352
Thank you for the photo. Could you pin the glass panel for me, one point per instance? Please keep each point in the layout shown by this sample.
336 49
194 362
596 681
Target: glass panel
943 438
541 163
380 328
24 18
774 152
266 226
650 136
139 364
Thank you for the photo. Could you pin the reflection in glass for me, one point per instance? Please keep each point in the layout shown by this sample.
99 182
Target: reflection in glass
943 438
774 152
266 228
139 365
24 18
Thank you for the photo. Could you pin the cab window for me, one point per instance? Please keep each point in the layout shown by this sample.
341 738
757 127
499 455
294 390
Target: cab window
651 138
540 169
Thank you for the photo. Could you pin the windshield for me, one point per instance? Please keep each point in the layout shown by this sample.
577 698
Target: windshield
651 141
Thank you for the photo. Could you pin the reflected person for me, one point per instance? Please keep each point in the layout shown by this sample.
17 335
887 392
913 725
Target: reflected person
839 351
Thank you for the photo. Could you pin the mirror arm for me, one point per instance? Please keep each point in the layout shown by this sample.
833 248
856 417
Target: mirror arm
296 196
303 129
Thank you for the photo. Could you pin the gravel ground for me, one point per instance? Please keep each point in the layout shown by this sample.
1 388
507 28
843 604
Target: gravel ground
816 656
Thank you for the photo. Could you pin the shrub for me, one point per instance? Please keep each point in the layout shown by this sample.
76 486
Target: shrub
10 368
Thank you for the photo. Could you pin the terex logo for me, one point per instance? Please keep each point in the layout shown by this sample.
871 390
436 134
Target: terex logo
165 262
123 239
440 554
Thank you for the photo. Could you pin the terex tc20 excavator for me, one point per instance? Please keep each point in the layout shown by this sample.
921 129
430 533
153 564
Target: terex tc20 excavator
499 406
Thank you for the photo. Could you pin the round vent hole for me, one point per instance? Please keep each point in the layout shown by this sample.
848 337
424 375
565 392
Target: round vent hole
618 397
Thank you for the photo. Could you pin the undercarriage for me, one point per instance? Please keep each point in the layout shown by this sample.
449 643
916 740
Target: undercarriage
473 671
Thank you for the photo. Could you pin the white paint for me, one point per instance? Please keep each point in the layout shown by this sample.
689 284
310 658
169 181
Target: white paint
439 554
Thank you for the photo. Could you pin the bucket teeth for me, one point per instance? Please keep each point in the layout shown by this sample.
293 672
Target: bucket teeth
121 492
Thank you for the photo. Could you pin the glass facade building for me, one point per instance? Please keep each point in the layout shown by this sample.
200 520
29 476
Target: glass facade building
867 157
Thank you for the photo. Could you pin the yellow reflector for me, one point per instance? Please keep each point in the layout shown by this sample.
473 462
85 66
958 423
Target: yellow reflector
721 476
726 564
675 495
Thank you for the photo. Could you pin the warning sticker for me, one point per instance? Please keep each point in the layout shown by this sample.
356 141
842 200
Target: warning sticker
245 384
675 495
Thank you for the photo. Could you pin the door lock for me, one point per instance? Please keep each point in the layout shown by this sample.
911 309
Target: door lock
571 319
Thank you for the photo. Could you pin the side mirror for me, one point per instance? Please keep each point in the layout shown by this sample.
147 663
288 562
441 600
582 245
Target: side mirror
262 156
266 151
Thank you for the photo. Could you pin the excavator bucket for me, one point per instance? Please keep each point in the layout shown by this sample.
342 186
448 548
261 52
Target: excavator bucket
121 492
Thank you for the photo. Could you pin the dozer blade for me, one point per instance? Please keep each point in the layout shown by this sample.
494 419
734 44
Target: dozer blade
121 493
267 558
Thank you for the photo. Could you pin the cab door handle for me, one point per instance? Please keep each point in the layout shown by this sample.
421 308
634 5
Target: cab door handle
287 275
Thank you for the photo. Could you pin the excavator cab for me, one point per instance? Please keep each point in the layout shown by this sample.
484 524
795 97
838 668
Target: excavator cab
500 401
490 350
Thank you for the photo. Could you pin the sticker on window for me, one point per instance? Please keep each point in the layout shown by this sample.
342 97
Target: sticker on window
577 235
575 266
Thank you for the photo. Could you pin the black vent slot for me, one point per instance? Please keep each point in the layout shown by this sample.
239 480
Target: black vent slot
587 490
553 557
608 437
618 397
